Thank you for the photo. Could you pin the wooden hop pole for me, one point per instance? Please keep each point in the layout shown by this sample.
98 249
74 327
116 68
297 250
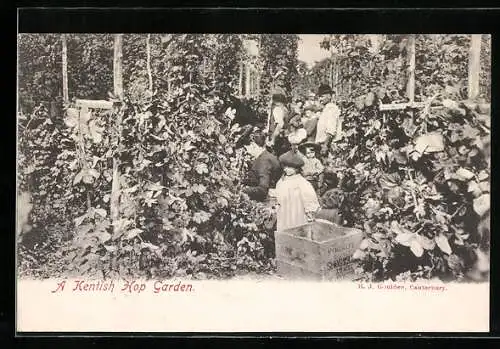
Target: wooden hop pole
118 91
65 69
410 87
474 66
117 66
148 62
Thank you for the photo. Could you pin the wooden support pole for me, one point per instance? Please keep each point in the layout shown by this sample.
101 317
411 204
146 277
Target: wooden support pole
65 69
247 80
94 104
118 91
148 62
474 66
410 87
117 66
330 73
240 85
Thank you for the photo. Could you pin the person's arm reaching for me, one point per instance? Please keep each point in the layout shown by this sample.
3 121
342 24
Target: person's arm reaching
279 119
309 199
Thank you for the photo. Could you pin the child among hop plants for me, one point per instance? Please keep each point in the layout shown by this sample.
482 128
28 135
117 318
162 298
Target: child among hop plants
297 200
313 167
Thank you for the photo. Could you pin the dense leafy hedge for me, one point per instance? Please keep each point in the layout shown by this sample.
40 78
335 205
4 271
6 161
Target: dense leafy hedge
180 210
416 181
418 185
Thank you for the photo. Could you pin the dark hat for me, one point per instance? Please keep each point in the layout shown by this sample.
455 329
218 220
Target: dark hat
324 89
279 95
279 98
278 91
291 159
313 145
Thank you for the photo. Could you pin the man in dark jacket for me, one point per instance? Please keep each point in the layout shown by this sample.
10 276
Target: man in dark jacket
265 170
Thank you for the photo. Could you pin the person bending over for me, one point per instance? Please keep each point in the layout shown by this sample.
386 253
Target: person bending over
264 172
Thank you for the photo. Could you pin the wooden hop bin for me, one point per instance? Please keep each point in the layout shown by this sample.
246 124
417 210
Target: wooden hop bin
319 250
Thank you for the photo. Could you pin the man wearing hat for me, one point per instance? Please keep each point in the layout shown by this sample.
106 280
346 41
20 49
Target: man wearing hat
278 118
297 200
326 128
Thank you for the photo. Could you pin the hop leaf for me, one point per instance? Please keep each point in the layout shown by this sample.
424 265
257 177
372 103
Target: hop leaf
482 204
358 254
364 244
201 217
463 174
222 201
95 132
201 168
133 233
443 244
450 104
149 246
425 242
101 212
416 248
110 248
199 188
104 236
405 239
474 188
483 175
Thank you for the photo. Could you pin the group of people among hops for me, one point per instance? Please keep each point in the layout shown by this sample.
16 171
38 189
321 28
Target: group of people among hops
288 160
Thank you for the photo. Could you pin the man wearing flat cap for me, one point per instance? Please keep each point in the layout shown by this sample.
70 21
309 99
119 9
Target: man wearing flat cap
329 118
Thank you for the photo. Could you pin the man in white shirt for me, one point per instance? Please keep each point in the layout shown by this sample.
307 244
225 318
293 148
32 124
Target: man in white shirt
328 120
277 121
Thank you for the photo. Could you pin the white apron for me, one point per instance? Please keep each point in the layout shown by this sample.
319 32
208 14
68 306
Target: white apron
295 196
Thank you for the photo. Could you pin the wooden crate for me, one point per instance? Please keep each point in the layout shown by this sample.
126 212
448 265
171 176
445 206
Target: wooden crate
318 250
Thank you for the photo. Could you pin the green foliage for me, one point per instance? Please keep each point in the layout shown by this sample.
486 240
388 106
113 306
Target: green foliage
39 70
447 66
90 65
279 63
420 208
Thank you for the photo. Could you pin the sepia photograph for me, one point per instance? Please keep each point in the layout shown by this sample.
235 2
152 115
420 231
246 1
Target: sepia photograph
161 162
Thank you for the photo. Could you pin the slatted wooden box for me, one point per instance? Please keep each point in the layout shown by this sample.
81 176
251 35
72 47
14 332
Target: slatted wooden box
318 250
